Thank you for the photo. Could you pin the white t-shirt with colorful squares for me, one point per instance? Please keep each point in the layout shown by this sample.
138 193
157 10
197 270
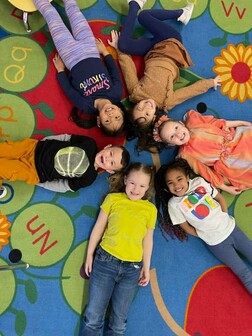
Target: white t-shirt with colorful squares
199 208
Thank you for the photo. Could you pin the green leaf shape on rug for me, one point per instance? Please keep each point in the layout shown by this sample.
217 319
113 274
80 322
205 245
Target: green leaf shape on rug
219 41
31 291
243 212
46 132
46 110
122 7
87 210
90 211
186 78
20 321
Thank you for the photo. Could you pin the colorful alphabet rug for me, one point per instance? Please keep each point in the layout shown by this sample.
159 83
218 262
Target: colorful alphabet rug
190 291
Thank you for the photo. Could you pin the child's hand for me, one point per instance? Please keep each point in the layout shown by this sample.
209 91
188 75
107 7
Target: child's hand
101 47
230 189
88 265
58 63
144 277
217 82
114 39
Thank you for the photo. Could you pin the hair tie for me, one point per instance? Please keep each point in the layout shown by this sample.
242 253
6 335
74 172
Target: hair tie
157 124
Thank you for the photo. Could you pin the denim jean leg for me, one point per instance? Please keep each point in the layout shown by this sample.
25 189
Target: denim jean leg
102 282
122 297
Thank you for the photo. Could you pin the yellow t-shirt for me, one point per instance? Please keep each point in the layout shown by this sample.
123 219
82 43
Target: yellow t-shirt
128 222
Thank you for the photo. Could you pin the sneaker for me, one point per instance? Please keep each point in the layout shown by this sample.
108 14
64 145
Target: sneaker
3 192
187 13
140 2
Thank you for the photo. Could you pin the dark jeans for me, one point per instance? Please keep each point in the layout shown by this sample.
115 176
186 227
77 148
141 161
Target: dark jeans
152 20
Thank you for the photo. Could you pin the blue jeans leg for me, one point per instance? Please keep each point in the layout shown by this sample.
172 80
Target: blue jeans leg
122 297
106 275
226 252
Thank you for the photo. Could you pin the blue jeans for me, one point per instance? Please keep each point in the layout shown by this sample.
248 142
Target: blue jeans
153 21
226 252
113 279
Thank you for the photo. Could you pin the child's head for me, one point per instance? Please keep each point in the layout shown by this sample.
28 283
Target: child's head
177 175
171 179
171 132
144 113
110 119
137 182
112 158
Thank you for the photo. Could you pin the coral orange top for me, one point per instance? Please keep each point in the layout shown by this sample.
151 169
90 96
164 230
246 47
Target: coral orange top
218 154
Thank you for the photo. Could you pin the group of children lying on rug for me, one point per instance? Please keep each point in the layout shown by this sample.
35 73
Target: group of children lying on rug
120 246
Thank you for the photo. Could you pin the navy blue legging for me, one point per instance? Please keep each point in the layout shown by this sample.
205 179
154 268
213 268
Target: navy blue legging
152 20
226 252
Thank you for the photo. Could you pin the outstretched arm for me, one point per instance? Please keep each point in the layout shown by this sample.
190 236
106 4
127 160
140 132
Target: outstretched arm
230 189
237 123
147 251
176 97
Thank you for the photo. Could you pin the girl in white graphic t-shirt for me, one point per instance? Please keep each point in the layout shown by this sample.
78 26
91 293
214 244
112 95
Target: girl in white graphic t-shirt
193 206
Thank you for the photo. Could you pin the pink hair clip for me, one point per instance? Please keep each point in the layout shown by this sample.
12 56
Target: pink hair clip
158 123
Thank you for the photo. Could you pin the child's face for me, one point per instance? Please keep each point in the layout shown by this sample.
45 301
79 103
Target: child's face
144 112
111 117
109 159
175 133
177 182
136 185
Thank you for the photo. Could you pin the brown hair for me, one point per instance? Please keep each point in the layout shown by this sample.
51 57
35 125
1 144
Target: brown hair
116 181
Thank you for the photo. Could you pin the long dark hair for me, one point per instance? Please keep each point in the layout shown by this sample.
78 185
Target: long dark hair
77 116
163 195
144 136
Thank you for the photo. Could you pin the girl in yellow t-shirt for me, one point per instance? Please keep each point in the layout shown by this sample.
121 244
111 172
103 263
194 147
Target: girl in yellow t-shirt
121 263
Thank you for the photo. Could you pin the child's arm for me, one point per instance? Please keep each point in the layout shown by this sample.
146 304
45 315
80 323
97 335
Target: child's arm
220 199
101 47
237 123
110 64
230 189
147 251
94 240
189 229
60 185
176 97
61 137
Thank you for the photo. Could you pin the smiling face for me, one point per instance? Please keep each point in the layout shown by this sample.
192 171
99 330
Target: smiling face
111 117
109 159
177 182
144 112
136 184
174 133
